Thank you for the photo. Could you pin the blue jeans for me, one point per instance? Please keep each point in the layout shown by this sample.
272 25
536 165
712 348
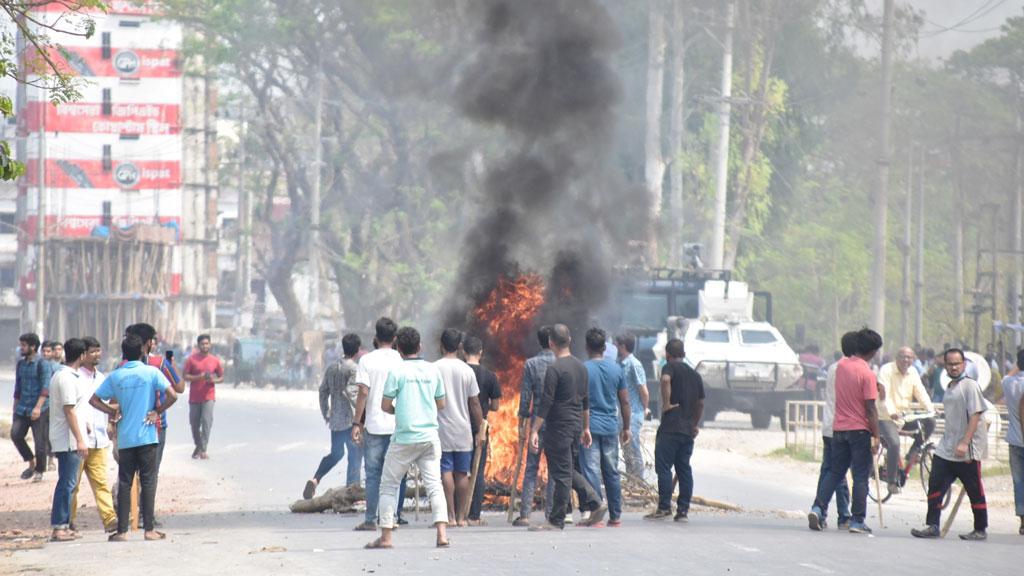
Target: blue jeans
1017 472
674 449
530 479
842 490
601 462
67 478
376 447
340 440
851 449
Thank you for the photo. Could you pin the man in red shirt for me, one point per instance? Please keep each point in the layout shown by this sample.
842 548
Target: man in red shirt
855 432
203 371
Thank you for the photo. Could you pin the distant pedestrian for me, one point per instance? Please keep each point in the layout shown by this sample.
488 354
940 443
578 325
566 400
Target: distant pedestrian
848 343
682 407
565 411
854 432
338 394
135 387
372 426
456 423
96 438
639 400
490 396
414 393
203 371
1013 395
31 406
67 438
531 388
958 454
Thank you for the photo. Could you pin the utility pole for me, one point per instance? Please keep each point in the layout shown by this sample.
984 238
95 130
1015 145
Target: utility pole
958 232
244 225
722 150
1018 233
919 276
908 225
41 218
879 243
654 159
314 235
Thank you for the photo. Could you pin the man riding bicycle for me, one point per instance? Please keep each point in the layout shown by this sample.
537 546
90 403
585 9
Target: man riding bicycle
900 386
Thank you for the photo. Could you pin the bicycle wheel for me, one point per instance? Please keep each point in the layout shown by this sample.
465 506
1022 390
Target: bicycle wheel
871 487
925 468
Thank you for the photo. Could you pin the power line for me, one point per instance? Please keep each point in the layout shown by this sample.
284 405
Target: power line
985 9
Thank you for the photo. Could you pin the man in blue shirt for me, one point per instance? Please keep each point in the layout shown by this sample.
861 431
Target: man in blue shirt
135 386
639 400
608 393
31 406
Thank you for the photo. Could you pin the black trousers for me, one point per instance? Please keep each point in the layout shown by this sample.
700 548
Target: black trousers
141 460
40 427
944 472
561 450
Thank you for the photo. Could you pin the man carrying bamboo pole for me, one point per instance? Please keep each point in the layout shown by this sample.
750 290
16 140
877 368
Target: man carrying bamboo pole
854 432
530 391
490 394
958 453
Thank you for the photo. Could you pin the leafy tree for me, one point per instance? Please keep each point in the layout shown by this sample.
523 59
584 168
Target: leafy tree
40 69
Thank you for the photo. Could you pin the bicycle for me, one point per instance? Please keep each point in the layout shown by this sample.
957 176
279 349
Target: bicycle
922 459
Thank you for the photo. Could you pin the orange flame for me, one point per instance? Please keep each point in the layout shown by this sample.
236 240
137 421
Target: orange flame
508 314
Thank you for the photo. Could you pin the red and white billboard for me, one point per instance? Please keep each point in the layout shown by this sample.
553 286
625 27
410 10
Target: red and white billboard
127 63
119 7
118 174
90 117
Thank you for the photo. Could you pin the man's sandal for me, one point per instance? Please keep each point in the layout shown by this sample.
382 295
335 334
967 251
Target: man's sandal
377 545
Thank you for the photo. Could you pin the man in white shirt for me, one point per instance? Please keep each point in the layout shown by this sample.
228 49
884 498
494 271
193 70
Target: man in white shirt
372 427
848 343
901 387
454 426
97 439
66 437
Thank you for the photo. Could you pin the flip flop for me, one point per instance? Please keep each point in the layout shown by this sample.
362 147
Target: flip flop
159 536
377 545
118 537
445 544
62 537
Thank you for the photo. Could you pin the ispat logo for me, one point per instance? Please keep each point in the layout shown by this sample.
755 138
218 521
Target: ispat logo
127 175
126 62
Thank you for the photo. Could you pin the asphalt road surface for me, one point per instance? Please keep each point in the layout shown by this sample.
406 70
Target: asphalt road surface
263 453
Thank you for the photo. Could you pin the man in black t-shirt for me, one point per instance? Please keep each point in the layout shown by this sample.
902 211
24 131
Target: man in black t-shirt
565 408
682 406
490 393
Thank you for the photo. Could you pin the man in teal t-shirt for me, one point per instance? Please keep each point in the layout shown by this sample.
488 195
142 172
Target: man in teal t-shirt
135 387
414 393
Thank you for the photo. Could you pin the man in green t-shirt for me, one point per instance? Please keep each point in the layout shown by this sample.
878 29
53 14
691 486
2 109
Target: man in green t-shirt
414 393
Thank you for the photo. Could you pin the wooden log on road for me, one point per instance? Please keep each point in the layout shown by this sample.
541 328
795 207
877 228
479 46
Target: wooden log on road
341 499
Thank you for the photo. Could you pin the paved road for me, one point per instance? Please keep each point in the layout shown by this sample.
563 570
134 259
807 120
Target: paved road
263 453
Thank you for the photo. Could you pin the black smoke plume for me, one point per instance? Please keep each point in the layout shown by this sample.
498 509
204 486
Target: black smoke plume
542 73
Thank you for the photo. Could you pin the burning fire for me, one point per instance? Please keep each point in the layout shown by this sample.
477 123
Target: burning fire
508 314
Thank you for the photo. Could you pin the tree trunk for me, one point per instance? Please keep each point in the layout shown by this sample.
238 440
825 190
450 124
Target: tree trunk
654 161
677 234
717 253
1018 233
880 242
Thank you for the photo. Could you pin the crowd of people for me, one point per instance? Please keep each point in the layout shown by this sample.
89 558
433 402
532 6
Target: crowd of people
395 410
866 409
392 412
93 414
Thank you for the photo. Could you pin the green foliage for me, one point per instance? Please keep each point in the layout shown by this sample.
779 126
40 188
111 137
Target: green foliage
62 85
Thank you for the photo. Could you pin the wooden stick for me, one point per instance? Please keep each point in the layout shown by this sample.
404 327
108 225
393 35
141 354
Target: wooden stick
519 466
878 489
474 469
952 513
